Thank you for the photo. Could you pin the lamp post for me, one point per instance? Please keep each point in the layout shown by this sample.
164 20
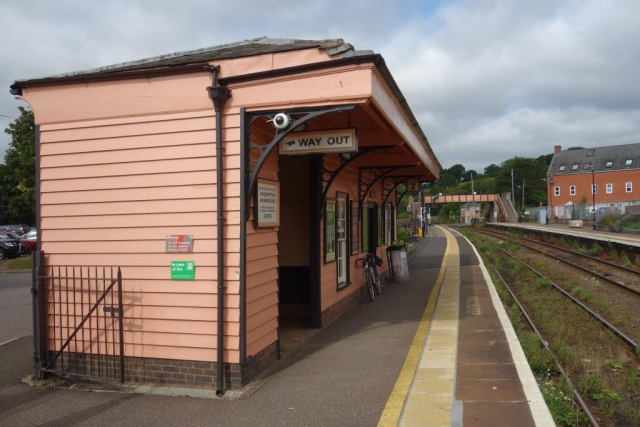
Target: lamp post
593 194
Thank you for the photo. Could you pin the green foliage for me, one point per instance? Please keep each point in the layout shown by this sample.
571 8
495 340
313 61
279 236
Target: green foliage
17 174
557 395
589 385
22 263
609 220
403 235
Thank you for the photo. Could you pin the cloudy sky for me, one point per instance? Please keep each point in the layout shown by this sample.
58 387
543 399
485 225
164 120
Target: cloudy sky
487 79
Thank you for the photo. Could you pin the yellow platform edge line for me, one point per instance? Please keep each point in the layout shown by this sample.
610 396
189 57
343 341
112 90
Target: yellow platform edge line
393 408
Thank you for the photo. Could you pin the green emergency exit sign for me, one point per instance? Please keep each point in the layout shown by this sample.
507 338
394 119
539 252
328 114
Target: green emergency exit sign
183 270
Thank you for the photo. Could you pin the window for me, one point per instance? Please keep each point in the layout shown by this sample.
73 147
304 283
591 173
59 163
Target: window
590 153
365 227
341 234
387 225
380 227
556 191
629 162
572 190
594 189
561 168
629 187
609 188
608 165
586 166
574 167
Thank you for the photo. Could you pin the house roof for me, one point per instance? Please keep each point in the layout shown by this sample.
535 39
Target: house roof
602 159
257 46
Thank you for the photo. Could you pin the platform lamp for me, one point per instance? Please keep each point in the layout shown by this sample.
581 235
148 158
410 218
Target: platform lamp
593 194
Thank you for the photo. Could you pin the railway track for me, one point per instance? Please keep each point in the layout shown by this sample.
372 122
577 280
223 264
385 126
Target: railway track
631 275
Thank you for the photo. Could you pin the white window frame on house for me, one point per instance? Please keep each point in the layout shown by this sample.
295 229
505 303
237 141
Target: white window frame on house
572 190
609 188
556 191
562 168
594 189
629 162
575 167
629 187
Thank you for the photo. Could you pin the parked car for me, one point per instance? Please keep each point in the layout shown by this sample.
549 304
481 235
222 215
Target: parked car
30 241
18 228
9 245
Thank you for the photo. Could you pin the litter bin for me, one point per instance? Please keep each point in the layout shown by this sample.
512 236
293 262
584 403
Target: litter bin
398 265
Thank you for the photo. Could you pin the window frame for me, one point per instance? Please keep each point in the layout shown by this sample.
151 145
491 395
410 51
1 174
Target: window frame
562 168
586 166
575 167
594 188
344 197
609 164
556 191
628 163
628 186
609 188
572 190
590 153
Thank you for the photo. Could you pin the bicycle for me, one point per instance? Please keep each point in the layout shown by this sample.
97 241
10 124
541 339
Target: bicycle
373 280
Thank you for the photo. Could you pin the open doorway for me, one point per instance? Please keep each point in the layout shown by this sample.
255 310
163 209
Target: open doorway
294 251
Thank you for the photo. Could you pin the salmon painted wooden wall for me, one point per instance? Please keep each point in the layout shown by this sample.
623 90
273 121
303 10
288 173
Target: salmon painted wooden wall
112 189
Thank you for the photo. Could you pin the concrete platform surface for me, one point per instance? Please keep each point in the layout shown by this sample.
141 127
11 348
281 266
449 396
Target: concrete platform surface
585 232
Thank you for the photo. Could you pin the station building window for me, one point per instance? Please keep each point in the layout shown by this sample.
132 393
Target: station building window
629 187
556 191
609 188
572 190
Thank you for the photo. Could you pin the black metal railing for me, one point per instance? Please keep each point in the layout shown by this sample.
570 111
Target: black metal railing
81 324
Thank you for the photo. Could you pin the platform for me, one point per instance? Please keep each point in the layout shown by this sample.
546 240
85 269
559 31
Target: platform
586 232
466 366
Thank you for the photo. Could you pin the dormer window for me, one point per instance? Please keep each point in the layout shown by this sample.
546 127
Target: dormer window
574 167
561 168
629 162
586 166
590 153
608 165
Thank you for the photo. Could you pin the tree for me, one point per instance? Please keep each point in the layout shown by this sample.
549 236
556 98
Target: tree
492 170
457 171
17 174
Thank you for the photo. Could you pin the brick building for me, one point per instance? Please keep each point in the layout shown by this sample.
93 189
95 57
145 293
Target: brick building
613 172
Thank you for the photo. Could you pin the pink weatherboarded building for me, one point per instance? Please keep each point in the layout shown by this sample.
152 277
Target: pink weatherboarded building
273 163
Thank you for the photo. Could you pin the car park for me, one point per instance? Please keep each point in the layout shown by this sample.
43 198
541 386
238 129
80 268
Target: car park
30 241
17 228
9 246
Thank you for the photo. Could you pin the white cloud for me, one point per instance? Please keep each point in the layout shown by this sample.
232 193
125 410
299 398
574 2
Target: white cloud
487 79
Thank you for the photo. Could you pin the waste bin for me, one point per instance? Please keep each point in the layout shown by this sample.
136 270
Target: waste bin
398 265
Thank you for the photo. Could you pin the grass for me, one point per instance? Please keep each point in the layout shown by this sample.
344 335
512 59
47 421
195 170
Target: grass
602 368
22 263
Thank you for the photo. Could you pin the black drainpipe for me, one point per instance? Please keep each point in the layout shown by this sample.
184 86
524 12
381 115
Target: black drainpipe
219 95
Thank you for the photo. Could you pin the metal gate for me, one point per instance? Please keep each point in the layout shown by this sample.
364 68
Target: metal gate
78 320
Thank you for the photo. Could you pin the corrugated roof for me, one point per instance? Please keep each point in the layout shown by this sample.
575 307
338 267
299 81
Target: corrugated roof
257 46
581 161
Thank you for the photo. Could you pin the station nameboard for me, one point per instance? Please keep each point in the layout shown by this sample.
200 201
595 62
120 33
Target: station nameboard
267 204
327 141
179 243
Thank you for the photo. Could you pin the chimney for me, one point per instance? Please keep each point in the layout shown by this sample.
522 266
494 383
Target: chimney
557 148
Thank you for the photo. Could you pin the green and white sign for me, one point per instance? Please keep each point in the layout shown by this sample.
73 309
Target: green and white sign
183 270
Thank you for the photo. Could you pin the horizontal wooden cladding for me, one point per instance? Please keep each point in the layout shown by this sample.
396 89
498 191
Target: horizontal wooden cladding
131 194
151 325
115 130
148 339
257 240
261 265
254 280
134 247
261 291
164 352
262 330
127 120
137 220
262 343
140 207
129 156
136 315
143 260
163 273
134 168
139 233
80 300
144 181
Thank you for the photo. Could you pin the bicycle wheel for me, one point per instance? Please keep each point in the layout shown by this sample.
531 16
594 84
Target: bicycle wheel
376 280
370 286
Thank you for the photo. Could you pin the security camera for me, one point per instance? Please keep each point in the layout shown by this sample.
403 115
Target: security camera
281 121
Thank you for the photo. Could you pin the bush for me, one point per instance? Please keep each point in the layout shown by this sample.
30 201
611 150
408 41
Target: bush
403 236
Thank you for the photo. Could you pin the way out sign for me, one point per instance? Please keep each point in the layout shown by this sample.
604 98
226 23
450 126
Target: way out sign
328 141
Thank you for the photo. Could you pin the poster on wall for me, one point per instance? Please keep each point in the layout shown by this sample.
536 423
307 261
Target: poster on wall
330 231
355 228
267 205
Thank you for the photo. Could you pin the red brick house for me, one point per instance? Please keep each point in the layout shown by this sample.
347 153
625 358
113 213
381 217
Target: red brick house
604 176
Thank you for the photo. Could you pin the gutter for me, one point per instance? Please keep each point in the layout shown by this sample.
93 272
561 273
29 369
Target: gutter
219 95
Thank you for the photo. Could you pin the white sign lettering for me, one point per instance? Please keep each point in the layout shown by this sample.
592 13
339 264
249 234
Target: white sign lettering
329 141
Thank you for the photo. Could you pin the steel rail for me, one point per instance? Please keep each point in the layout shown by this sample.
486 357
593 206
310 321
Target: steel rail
603 261
586 270
631 343
577 395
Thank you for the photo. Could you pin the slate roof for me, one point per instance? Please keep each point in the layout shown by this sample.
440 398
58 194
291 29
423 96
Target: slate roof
257 46
597 157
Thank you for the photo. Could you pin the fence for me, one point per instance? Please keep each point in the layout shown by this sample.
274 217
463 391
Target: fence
79 318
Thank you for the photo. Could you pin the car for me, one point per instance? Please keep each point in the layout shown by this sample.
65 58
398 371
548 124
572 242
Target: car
30 241
9 246
18 228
